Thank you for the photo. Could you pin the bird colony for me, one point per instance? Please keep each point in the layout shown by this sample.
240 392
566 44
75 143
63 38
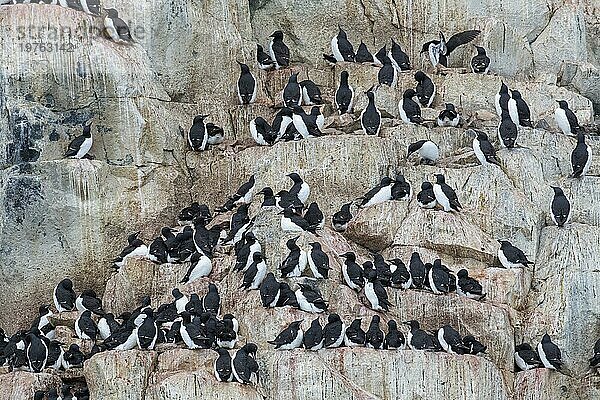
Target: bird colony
298 279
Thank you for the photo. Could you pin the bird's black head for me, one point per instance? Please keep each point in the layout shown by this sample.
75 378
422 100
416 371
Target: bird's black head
176 293
392 325
67 283
563 104
409 94
286 112
439 178
375 319
437 263
372 273
546 338
291 244
315 245
89 293
266 191
386 181
557 191
341 33
414 147
244 68
212 287
515 94
350 256
523 346
344 77
258 257
463 273
420 76
295 177
481 136
333 317
44 309
277 35
413 324
259 48
315 111
112 13
371 95
296 324
450 107
293 78
503 88
298 110
199 118
426 185
250 348
399 178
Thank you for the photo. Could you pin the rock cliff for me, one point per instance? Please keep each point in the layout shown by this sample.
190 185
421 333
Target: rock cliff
69 218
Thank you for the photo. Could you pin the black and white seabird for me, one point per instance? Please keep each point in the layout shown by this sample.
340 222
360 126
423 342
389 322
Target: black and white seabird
197 136
428 151
227 334
468 287
473 345
313 337
282 121
501 99
439 50
146 331
483 149
375 293
341 218
330 59
417 269
310 299
305 124
36 351
362 54
243 195
269 199
399 58
400 276
81 145
318 117
341 47
292 222
507 131
480 64
180 301
450 340
262 133
426 197
135 248
64 296
511 256
439 278
269 291
581 157
287 297
211 302
88 300
246 85
374 337
352 272
448 117
344 95
410 112
222 366
244 365
318 261
566 119
418 339
116 28
354 336
380 193
394 339
279 52
333 332
85 327
379 57
425 89
290 338
401 189
526 357
560 207
445 195
73 357
244 251
519 110
549 353
263 59
216 135
314 216
200 266
285 200
292 94
255 273
311 94
107 325
295 262
387 74
370 118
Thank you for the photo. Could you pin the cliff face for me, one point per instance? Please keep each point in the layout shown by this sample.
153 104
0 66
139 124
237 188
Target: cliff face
69 218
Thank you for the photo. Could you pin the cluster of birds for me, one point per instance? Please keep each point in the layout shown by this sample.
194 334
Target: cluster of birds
114 27
191 320
67 392
336 334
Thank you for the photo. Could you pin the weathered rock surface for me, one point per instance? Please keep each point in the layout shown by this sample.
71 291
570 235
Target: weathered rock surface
70 218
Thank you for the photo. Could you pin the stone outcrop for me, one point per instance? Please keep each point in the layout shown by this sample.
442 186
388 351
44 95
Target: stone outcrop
64 218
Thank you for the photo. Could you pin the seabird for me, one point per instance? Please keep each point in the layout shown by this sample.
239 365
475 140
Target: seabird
399 58
519 110
318 261
295 262
341 218
352 272
445 195
501 99
418 339
333 332
197 136
526 357
425 89
290 338
246 85
354 336
370 117
450 340
280 53
468 287
313 337
380 193
222 366
439 278
269 291
410 112
483 149
292 94
401 189
549 353
426 197
439 50
566 119
581 157
344 95
480 64
64 296
448 117
560 207
85 327
394 339
116 28
311 94
314 216
511 256
375 293
387 75
310 299
507 131
244 365
264 60
374 336
417 271
427 150
81 145
362 54
400 275
341 47
255 273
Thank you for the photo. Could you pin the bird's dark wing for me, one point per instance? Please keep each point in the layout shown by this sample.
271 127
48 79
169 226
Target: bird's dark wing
459 39
470 285
74 146
488 151
572 118
122 28
451 195
282 53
